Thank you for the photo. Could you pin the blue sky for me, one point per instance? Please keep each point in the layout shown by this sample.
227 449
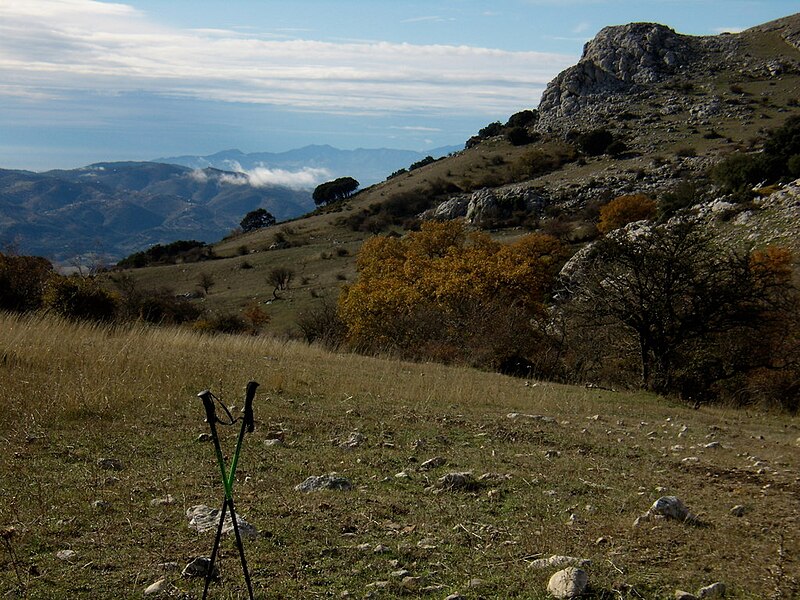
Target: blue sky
83 81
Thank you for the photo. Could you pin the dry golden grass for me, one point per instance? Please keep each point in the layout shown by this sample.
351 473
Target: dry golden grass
74 394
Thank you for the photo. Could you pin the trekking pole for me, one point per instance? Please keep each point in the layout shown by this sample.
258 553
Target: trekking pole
248 425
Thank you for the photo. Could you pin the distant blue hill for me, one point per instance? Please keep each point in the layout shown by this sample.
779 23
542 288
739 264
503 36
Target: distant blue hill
111 210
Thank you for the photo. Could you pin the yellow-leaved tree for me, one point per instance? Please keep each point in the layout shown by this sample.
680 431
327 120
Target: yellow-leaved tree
442 294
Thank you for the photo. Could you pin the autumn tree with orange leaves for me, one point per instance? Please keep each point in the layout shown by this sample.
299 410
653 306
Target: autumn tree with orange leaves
443 294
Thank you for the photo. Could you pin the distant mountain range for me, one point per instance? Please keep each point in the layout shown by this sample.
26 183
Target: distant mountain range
113 209
368 166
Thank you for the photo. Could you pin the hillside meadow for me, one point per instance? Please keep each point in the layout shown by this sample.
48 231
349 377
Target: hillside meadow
101 457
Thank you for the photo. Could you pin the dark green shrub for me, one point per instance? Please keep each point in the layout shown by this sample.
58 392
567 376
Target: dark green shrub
595 142
739 172
80 298
523 118
22 281
520 136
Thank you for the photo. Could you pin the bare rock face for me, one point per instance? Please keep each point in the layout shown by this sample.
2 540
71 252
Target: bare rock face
616 59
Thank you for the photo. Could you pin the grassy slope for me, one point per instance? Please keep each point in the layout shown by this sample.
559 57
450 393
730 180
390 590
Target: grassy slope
76 394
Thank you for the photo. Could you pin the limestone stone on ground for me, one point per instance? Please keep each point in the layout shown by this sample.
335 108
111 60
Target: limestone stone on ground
558 562
667 507
682 595
156 589
568 583
203 518
198 567
354 441
432 463
715 590
457 482
331 481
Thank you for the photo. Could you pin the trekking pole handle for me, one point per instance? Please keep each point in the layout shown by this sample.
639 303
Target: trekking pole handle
208 403
250 393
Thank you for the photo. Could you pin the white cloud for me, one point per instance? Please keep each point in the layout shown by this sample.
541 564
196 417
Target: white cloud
728 29
58 47
305 179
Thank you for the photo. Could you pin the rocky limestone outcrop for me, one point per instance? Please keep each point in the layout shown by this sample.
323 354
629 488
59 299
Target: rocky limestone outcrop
615 60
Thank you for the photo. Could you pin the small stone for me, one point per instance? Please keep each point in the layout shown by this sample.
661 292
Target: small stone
275 434
198 567
559 562
273 442
166 500
203 518
681 595
456 596
432 463
331 481
601 541
475 583
671 507
712 445
738 510
402 475
66 554
381 549
100 505
715 590
411 583
203 437
159 587
354 441
427 543
378 585
109 464
568 583
400 574
690 460
457 482
364 547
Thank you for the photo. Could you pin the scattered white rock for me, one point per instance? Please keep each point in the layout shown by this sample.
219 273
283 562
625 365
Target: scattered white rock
381 549
690 460
66 554
273 442
203 518
399 574
166 500
542 418
331 481
712 445
159 587
715 590
457 482
667 507
402 475
354 441
110 464
682 595
738 510
432 463
198 567
559 562
568 583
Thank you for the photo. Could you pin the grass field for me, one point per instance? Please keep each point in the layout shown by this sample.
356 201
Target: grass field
77 394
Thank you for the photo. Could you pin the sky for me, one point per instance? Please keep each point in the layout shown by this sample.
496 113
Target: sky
84 81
